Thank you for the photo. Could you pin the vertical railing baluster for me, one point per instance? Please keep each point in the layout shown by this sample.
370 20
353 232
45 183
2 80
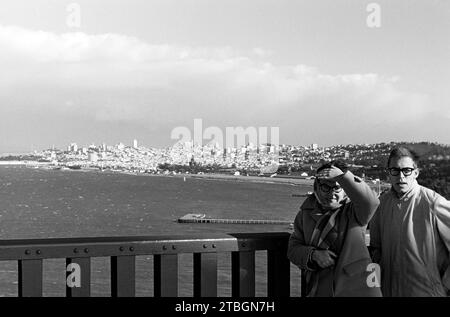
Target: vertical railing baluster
30 278
123 277
243 273
278 273
81 288
165 275
205 274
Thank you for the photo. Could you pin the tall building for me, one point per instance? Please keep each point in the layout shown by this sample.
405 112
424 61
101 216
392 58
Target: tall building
92 156
272 149
73 147
135 143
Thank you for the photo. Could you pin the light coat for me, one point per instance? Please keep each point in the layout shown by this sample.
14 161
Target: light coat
411 241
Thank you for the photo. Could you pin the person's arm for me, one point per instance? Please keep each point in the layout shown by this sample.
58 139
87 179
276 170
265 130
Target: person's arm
298 252
364 199
442 211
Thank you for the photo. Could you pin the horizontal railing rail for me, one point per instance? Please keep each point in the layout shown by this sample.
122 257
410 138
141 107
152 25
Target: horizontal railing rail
122 251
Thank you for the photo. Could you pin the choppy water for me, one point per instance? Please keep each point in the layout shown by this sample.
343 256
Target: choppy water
37 203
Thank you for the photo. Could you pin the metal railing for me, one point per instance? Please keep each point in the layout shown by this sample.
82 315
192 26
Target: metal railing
122 251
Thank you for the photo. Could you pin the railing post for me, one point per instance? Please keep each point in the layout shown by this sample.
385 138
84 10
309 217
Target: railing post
243 273
205 274
83 289
30 278
278 273
165 272
123 277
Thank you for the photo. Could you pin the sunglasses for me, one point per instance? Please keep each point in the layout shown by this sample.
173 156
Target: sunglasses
395 171
326 188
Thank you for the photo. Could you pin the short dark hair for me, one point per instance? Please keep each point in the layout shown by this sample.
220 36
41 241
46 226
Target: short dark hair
402 151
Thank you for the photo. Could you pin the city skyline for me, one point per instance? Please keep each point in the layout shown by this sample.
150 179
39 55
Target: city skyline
135 144
106 71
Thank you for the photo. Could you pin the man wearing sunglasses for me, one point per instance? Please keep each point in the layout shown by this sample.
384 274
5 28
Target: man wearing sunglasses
410 233
328 242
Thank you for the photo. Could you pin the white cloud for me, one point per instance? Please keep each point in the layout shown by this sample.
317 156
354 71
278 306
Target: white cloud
47 47
115 77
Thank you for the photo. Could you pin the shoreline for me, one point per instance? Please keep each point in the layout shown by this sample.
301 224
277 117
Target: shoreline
213 176
16 163
254 179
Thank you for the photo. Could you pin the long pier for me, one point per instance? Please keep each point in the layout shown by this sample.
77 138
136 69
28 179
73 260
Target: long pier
201 218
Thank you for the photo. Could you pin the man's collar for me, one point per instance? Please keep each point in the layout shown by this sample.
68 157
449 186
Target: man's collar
310 203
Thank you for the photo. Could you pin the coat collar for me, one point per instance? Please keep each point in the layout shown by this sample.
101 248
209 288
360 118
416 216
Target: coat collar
312 208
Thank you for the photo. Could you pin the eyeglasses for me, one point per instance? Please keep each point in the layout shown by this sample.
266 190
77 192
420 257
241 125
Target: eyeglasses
395 171
326 188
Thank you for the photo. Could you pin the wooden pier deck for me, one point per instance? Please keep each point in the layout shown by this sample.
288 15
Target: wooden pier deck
201 218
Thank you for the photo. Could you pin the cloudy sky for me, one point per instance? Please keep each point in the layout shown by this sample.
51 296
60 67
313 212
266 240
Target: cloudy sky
115 70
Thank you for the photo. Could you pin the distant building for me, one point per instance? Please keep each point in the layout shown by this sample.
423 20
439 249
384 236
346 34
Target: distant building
272 149
73 147
135 144
314 146
92 156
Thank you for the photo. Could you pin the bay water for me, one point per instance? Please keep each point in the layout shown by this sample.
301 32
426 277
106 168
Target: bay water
45 203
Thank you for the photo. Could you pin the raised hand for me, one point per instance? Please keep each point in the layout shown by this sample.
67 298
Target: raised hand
330 173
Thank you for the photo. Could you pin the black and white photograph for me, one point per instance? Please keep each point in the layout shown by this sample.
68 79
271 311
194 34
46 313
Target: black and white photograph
231 156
